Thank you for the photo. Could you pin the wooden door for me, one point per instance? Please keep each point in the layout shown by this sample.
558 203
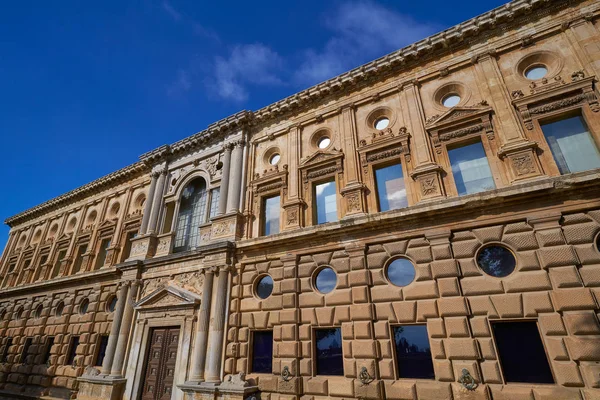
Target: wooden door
160 364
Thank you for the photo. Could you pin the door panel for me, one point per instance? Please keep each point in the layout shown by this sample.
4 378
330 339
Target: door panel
160 364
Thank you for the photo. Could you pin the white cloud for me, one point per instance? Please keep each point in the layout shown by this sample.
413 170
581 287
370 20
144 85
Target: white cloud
181 84
362 30
249 64
176 15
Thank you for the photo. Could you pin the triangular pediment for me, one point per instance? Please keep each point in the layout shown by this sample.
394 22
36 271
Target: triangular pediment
168 297
457 114
64 236
321 156
108 223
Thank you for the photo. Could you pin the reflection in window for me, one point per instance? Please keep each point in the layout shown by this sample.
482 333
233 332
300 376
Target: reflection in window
572 145
264 287
521 352
470 169
101 350
391 191
329 358
192 213
413 352
325 195
79 258
326 280
496 261
401 272
271 215
262 352
214 202
104 245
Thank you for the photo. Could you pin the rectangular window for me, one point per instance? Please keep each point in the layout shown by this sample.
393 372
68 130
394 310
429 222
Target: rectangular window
470 169
413 352
104 245
6 349
271 212
59 258
262 352
521 352
572 145
391 191
25 353
79 258
326 202
214 202
329 359
127 246
48 349
38 270
73 344
101 351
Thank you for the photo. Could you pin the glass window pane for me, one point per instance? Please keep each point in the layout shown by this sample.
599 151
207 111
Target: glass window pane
325 194
572 145
214 202
192 213
413 352
326 280
329 351
271 215
496 261
262 352
391 191
470 169
521 352
401 272
264 287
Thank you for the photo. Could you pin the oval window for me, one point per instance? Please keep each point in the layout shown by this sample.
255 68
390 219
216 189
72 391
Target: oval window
59 309
401 272
536 72
274 159
264 287
324 142
38 311
382 123
451 100
112 304
83 306
326 280
497 261
598 242
19 314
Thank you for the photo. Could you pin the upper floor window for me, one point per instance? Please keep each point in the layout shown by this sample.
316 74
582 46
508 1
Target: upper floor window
104 245
215 194
391 190
571 145
79 258
271 213
57 263
470 169
192 213
127 246
326 202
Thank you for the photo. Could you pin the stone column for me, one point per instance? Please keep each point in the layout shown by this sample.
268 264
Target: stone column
217 330
125 328
157 202
353 191
225 179
199 352
148 205
114 330
233 200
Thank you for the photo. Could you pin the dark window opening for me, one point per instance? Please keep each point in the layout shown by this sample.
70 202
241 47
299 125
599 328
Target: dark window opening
26 347
72 350
521 352
56 269
6 349
104 245
101 352
127 247
329 359
413 352
48 349
262 352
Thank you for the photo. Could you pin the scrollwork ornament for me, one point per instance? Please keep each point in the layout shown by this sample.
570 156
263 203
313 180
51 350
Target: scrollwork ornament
467 381
286 375
365 377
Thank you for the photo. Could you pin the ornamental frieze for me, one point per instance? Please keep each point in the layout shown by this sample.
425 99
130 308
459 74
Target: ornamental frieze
190 281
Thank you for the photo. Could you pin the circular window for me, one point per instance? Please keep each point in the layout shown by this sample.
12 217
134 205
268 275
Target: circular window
264 287
496 260
19 314
401 272
451 100
38 311
83 306
111 304
324 142
274 159
59 309
536 72
326 280
382 123
598 242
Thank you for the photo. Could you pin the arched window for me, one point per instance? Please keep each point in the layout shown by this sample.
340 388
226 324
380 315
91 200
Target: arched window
192 213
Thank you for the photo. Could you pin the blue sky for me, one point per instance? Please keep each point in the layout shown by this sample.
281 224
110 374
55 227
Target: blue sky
86 87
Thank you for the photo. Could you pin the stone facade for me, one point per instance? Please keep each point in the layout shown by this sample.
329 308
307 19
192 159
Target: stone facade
110 292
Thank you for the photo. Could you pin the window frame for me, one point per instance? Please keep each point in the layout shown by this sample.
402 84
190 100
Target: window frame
6 350
374 167
72 350
397 376
451 187
315 210
251 351
48 343
314 351
97 350
25 352
99 249
204 216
